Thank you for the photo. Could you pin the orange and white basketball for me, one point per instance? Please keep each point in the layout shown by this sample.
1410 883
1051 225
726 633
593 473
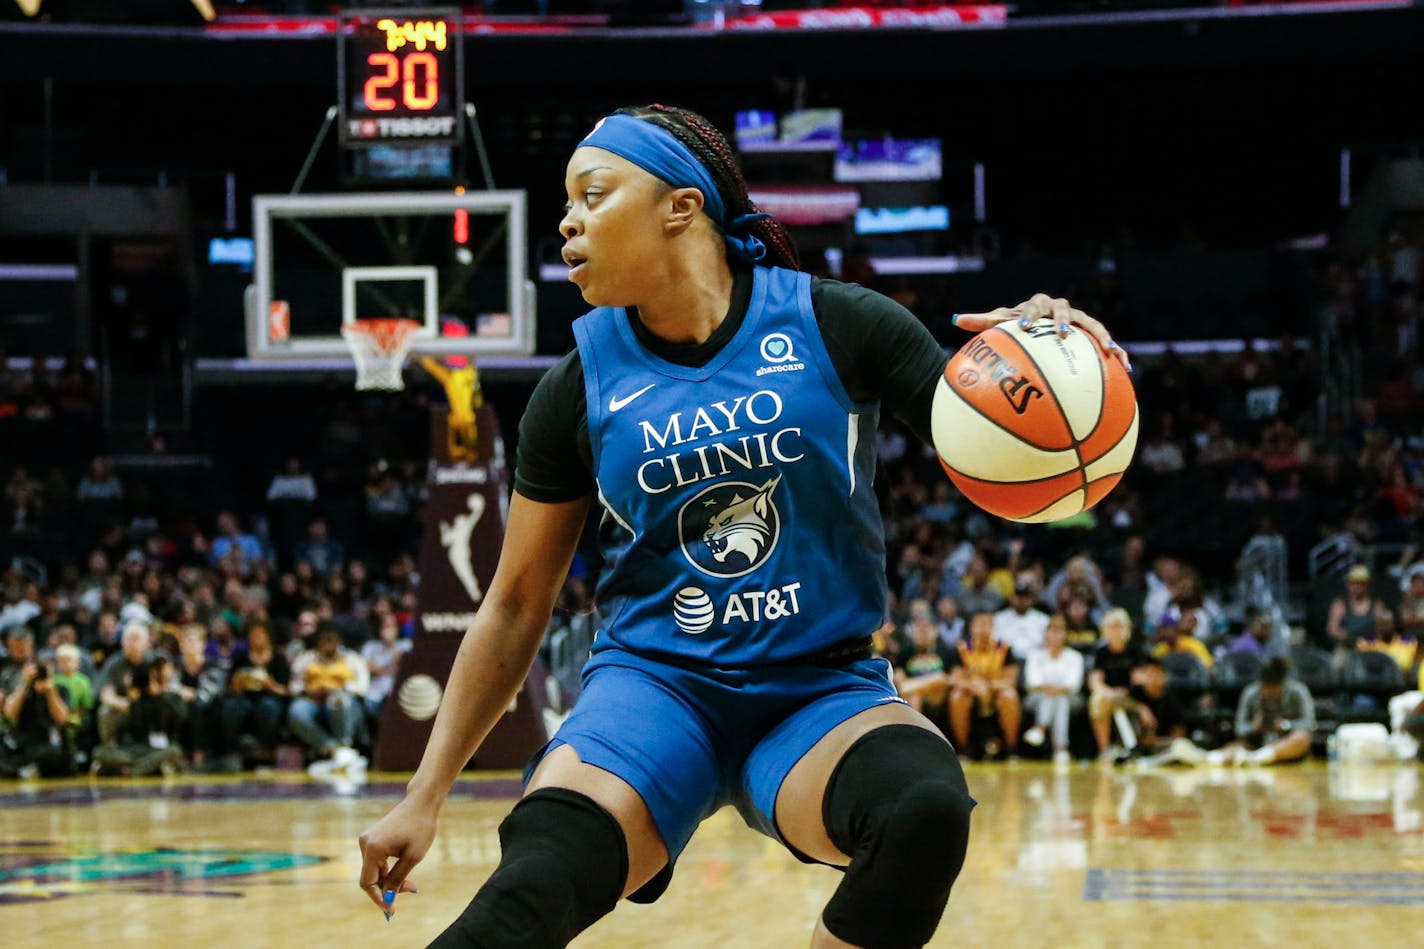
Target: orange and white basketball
1032 426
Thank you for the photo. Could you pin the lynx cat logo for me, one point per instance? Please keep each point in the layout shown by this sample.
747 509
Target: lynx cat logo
729 529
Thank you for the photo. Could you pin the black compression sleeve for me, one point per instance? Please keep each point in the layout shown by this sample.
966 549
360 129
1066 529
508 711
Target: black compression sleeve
880 350
553 461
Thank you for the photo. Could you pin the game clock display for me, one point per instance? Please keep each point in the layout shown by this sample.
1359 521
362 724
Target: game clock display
401 77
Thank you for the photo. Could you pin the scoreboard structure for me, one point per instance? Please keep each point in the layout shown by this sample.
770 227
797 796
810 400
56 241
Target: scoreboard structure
400 74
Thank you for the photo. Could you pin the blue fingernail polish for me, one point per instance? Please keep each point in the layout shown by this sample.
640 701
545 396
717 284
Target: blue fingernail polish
1023 322
388 897
1112 345
954 319
1062 327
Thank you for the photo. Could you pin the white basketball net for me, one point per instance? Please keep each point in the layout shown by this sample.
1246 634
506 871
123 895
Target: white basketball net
379 349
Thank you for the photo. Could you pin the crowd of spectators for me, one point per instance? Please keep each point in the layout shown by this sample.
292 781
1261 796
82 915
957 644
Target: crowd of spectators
277 621
1003 659
167 646
1233 445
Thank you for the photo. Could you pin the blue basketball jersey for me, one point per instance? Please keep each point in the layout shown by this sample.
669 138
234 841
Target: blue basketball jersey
740 526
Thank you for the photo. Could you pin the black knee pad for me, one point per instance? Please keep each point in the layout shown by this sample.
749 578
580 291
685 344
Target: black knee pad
898 805
563 866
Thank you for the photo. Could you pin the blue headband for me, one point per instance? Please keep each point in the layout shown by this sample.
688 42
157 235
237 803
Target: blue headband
659 153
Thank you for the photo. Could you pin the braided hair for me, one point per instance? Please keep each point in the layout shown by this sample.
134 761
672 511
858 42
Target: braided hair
713 150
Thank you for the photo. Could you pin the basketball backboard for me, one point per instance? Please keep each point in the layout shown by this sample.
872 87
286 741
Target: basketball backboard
453 262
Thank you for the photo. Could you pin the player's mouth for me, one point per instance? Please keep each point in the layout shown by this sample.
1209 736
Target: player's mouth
575 262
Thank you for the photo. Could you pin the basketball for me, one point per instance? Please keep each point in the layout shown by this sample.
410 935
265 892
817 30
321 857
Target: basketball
1033 426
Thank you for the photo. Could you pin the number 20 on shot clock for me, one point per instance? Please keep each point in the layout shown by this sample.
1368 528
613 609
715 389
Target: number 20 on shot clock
401 77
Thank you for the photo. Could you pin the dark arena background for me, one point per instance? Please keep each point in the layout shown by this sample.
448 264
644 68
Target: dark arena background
203 205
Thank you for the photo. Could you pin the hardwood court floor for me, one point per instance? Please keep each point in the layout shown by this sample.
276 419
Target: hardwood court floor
1297 856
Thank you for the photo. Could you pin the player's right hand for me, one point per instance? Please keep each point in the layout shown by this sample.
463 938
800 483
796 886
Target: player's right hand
403 835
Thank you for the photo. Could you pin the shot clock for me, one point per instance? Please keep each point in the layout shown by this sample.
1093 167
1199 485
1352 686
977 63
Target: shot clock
401 77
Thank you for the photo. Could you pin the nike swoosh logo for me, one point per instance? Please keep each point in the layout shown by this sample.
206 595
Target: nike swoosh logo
615 403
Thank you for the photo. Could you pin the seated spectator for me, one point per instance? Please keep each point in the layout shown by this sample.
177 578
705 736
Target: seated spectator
1053 677
1020 624
1174 635
318 549
1083 633
1411 604
116 676
1162 453
1004 569
1163 585
1207 615
221 644
382 657
21 604
921 569
1353 615
360 591
64 634
942 507
105 640
35 713
975 594
76 688
303 635
292 484
198 685
1386 640
233 543
136 610
1213 445
1274 720
100 496
256 699
387 503
948 620
1161 717
1255 639
146 736
327 685
1114 663
1080 576
921 677
983 683
100 483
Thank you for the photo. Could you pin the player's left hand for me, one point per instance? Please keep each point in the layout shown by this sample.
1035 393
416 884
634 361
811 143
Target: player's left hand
1042 306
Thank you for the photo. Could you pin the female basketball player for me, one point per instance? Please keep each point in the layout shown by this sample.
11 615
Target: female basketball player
722 407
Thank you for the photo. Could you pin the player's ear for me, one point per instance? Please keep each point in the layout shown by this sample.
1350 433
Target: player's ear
683 205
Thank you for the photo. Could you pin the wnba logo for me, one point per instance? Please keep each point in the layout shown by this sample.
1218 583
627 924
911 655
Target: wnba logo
730 529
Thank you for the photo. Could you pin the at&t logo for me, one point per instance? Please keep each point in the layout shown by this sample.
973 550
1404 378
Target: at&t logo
693 611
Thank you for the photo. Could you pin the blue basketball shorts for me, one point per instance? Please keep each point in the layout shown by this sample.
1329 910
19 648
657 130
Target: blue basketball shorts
690 741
